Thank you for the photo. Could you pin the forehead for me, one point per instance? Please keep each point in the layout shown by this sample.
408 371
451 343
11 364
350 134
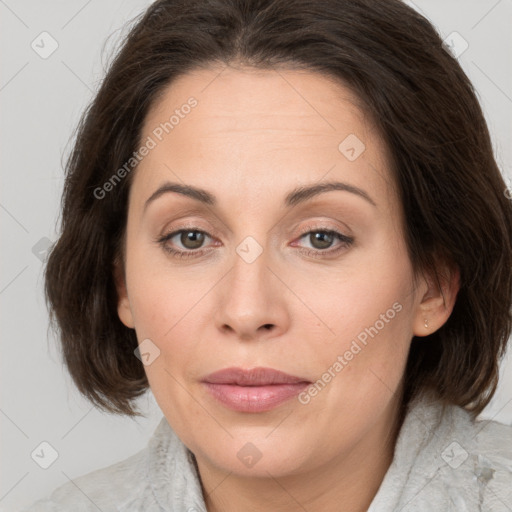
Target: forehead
255 127
254 100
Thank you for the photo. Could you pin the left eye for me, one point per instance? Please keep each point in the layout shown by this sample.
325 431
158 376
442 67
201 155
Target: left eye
323 239
191 239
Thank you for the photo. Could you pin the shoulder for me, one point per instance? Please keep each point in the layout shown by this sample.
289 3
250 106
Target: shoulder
123 486
486 443
107 489
492 463
446 460
469 461
161 477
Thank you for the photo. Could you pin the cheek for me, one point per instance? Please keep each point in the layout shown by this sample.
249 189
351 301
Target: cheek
370 337
343 304
370 326
160 299
163 321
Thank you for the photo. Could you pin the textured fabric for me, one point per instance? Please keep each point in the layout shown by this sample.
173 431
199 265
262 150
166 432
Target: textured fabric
443 462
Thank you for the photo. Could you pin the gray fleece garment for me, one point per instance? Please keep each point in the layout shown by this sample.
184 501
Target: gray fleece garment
443 462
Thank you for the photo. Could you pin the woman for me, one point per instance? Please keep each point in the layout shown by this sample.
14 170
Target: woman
286 220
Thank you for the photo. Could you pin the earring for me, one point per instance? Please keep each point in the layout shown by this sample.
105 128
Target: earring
426 323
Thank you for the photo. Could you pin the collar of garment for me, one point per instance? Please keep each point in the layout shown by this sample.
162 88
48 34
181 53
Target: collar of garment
443 461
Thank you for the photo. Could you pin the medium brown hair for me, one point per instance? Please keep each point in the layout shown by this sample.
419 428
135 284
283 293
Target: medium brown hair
424 106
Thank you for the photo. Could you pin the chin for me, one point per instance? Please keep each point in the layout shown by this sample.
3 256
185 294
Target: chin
255 455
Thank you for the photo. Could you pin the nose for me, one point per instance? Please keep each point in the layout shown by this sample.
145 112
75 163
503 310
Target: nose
252 300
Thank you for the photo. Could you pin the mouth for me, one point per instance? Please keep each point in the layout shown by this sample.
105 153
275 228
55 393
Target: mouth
254 390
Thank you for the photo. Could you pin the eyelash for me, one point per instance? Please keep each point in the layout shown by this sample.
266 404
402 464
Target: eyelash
346 242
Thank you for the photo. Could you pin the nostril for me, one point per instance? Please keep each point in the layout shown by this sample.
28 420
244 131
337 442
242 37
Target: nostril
268 326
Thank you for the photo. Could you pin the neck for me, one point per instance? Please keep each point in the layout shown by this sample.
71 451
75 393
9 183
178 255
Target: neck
350 479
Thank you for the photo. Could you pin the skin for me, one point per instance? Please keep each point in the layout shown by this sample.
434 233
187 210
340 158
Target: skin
253 137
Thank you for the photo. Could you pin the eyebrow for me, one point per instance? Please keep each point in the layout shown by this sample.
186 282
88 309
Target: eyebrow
296 196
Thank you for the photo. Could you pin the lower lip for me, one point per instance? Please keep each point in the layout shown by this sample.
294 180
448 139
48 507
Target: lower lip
254 398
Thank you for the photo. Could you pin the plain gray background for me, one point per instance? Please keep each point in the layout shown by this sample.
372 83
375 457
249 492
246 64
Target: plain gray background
41 101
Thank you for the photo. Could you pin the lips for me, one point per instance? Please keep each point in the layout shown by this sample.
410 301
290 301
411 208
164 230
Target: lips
253 390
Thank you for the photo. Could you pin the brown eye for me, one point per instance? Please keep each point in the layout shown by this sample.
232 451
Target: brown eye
324 242
192 239
184 243
321 239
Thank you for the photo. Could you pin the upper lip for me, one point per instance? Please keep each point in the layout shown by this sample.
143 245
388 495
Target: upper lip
252 377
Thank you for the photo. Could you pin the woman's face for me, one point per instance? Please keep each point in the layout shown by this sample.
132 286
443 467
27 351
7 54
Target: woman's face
291 257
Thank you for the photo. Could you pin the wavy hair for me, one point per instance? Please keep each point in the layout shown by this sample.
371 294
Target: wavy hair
417 95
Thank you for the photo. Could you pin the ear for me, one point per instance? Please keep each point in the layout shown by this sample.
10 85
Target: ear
438 301
123 303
